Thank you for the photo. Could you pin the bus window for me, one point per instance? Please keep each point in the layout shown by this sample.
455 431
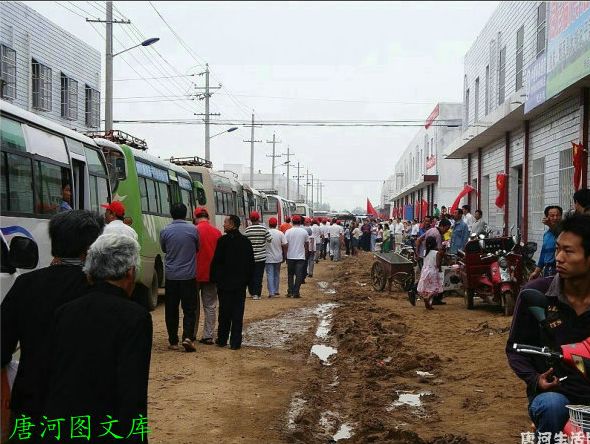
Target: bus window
11 135
152 196
273 206
19 186
3 184
164 198
115 166
50 181
196 176
46 144
99 192
187 200
143 195
218 203
94 162
201 197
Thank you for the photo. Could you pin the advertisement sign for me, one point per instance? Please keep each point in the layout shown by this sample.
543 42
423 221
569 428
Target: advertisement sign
536 74
568 46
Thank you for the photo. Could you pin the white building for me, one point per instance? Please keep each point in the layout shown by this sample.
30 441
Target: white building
422 174
525 103
46 70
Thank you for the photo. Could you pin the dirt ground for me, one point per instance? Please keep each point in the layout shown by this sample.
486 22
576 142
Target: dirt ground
274 390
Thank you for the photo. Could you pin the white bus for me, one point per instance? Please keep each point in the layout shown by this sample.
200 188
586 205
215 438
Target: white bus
40 160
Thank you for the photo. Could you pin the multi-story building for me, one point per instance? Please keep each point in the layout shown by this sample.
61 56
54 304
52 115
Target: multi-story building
46 70
422 176
526 106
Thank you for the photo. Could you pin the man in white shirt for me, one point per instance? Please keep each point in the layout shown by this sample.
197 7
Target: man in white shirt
398 231
336 233
276 252
114 217
468 217
297 249
325 230
316 233
415 228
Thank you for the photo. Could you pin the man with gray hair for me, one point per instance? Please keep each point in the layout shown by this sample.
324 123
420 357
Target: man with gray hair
101 343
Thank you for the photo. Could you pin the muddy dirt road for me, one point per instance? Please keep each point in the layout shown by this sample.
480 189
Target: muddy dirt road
346 364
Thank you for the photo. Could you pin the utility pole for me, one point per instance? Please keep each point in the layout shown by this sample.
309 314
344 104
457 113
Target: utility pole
307 186
108 109
274 142
206 96
298 177
311 192
252 142
288 163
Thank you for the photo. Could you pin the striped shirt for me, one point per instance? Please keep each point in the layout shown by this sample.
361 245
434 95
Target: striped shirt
259 236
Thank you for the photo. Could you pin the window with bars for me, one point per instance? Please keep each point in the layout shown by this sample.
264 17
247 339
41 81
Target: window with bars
501 75
541 27
566 178
538 192
7 72
42 79
92 107
519 56
69 98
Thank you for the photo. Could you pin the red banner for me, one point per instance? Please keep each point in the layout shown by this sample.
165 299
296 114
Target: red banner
501 180
370 209
433 115
464 192
578 156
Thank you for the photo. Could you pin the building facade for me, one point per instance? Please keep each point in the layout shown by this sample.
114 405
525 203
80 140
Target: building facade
46 70
422 176
525 113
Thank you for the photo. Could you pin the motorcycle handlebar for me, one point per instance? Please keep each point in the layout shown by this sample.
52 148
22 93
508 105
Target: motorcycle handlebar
534 350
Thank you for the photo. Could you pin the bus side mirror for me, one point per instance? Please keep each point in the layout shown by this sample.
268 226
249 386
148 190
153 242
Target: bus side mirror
24 253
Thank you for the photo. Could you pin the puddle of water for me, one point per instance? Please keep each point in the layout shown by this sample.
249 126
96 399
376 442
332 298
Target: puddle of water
323 352
278 332
409 399
344 432
295 409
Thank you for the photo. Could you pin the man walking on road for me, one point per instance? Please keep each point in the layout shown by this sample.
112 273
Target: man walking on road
180 243
298 248
336 233
206 290
231 270
460 234
259 236
276 252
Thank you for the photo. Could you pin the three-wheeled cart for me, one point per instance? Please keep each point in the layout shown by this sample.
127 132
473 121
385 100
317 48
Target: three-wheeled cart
392 269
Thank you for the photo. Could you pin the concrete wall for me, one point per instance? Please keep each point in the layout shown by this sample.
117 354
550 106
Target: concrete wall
32 36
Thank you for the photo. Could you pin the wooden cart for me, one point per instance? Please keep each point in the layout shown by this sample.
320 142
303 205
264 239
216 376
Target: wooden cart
392 269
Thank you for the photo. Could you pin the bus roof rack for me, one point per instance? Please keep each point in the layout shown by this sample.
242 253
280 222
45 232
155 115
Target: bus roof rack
120 137
268 191
191 161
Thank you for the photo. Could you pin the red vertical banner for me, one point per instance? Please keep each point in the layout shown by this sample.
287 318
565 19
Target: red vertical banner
424 205
578 157
501 180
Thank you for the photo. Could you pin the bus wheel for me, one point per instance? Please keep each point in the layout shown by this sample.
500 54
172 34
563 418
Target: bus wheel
153 296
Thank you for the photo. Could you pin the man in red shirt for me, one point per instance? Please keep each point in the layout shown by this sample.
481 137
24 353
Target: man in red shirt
208 237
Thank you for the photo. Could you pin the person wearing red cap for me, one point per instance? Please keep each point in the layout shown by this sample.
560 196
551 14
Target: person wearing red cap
276 252
206 290
114 216
298 248
259 236
286 225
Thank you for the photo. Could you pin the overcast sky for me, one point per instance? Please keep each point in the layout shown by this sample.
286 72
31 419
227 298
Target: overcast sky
287 61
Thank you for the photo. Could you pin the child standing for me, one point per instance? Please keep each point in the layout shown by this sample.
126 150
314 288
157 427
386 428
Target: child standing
430 283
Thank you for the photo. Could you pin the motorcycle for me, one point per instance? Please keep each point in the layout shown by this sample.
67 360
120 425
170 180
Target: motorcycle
491 268
576 356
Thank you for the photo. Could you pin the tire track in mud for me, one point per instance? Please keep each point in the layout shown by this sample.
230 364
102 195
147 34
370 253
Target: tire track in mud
356 395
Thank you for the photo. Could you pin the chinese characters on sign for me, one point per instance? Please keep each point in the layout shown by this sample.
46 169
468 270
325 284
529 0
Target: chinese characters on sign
78 427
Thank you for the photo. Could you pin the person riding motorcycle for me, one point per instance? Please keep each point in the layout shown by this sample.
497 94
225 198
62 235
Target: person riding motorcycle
568 321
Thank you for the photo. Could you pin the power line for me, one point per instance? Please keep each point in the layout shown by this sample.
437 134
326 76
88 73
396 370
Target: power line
153 78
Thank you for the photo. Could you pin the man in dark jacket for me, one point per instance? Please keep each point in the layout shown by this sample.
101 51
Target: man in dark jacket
231 270
568 321
28 308
101 348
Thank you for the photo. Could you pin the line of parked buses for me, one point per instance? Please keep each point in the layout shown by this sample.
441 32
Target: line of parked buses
40 159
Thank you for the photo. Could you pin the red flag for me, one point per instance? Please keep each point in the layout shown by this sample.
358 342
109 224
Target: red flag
370 209
501 179
424 209
464 192
578 154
